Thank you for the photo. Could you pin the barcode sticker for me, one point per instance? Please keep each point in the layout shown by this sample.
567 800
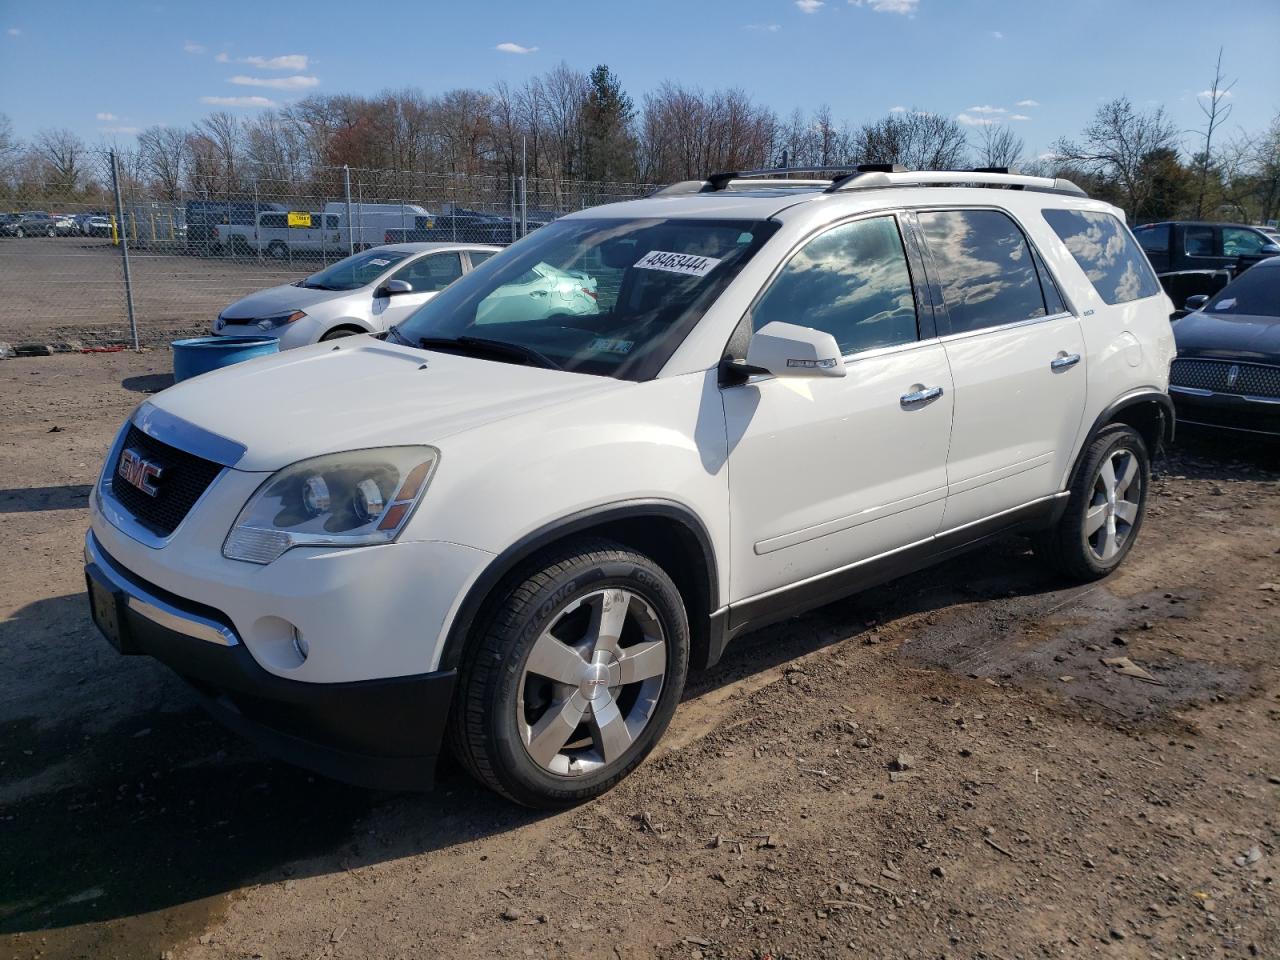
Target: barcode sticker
689 264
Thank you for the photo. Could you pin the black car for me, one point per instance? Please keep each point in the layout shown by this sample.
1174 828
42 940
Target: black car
463 226
30 223
1227 372
1193 258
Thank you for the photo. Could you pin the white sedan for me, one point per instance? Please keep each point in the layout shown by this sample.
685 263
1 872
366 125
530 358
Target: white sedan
365 293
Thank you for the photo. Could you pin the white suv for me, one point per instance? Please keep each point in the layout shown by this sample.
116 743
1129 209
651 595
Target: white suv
519 530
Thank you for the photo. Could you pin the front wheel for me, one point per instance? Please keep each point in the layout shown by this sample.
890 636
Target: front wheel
19 233
574 677
277 250
1107 504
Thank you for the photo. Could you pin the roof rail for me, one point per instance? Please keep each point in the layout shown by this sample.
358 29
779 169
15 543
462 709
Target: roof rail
718 182
875 180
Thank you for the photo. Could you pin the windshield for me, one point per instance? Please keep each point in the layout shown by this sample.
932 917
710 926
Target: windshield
1256 292
355 271
607 297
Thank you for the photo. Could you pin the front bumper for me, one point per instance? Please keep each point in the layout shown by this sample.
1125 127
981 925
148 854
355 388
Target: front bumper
383 733
1226 411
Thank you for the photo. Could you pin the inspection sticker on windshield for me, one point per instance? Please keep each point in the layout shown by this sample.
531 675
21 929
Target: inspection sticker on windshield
690 264
611 346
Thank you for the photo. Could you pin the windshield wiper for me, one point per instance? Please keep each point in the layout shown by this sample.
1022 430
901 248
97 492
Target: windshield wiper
500 348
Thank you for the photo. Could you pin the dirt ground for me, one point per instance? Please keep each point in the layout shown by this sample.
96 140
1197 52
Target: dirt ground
943 767
72 288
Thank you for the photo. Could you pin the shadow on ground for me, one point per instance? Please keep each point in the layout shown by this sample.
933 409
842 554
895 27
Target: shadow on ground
148 382
68 496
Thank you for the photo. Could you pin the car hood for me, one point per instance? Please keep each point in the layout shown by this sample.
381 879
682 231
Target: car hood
361 393
277 300
1226 337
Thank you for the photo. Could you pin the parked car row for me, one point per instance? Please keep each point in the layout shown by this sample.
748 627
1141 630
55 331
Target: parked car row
1196 258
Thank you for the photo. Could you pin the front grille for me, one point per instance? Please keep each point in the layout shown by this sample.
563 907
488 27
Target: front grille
183 479
1252 379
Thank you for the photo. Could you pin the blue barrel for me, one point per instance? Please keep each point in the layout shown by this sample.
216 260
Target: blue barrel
201 354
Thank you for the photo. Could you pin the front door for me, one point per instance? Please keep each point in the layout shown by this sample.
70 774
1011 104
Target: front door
427 275
827 472
1017 357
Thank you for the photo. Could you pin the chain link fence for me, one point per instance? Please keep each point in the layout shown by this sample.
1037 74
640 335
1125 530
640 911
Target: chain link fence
120 262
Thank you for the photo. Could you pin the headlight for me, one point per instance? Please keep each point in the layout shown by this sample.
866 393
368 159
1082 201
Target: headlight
349 499
280 319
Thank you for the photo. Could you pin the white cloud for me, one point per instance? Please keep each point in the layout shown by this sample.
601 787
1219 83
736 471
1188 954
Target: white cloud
997 34
276 83
105 116
987 108
14 32
904 7
763 27
290 61
897 109
810 6
1027 103
1222 94
509 47
192 47
1018 116
971 121
223 57
238 101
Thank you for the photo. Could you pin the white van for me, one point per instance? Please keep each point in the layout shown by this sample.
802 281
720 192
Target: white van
281 235
371 221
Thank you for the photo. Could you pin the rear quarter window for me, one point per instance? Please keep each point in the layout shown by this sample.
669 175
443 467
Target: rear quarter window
1106 253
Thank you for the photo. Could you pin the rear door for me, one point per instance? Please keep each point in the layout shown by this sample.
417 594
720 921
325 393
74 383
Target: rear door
1017 360
1154 241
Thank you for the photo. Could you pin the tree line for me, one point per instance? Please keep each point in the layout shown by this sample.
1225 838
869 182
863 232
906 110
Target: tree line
566 127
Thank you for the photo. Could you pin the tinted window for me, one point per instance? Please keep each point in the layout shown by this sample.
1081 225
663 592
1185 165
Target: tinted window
1111 261
1053 301
1198 241
480 256
431 273
851 282
1153 239
1256 292
984 266
1236 241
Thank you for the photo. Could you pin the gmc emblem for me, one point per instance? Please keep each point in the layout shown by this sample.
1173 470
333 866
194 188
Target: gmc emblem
139 471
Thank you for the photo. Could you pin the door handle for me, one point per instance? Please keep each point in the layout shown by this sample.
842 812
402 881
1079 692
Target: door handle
1064 360
920 397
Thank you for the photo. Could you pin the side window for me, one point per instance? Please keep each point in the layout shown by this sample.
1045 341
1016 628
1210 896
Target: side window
431 273
1100 244
479 256
985 268
1198 242
1053 301
1153 239
1237 242
271 220
331 222
851 282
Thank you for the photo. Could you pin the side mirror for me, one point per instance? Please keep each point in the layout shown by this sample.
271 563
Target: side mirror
393 288
1270 249
789 350
1196 302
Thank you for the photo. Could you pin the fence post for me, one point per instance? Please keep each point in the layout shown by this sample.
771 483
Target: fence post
124 249
524 187
346 178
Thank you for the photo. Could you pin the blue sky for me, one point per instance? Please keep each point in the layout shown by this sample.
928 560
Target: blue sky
107 69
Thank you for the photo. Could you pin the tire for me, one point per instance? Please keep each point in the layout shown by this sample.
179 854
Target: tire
19 233
551 722
277 250
339 333
1104 512
51 232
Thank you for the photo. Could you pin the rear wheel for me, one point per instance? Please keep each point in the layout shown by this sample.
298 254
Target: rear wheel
339 334
19 233
277 250
575 676
51 232
1105 511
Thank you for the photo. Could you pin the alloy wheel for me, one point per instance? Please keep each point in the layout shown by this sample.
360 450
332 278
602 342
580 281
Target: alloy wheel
591 682
1113 507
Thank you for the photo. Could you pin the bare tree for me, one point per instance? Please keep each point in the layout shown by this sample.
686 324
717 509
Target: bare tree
1115 145
917 139
9 148
63 153
1213 105
163 152
997 146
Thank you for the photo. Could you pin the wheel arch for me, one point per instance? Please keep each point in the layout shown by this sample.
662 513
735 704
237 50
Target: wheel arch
345 323
1149 411
668 532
